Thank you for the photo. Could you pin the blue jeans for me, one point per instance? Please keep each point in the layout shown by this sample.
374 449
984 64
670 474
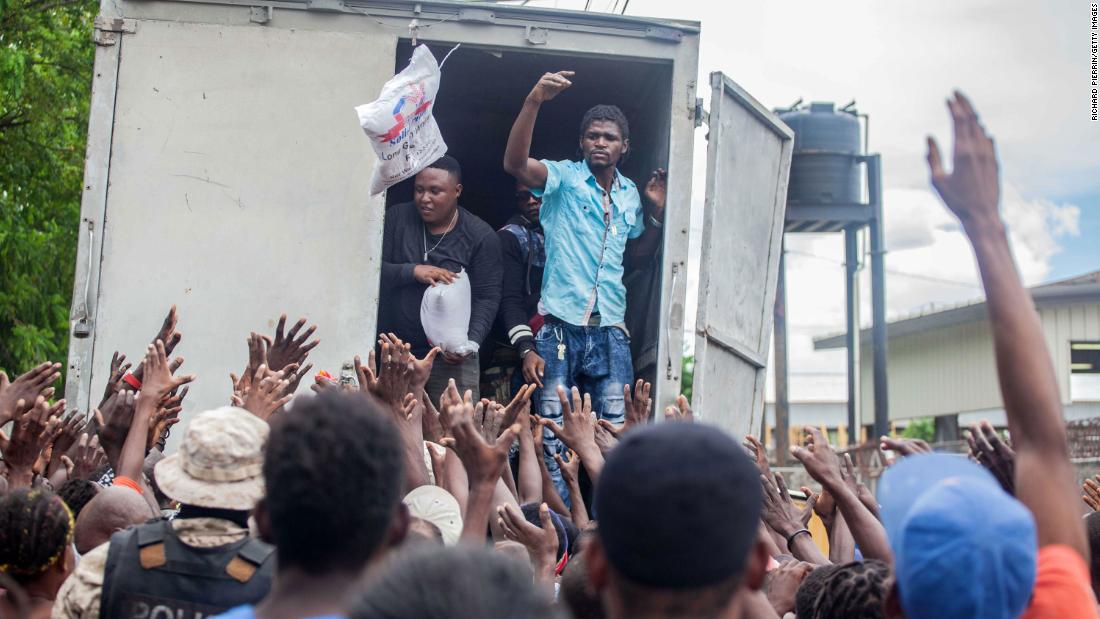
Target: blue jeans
596 360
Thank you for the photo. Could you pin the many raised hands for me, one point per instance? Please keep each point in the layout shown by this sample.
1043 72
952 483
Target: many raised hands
38 381
267 393
484 462
824 465
33 430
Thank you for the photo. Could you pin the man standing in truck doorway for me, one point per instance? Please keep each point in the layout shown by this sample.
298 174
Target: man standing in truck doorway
589 212
425 243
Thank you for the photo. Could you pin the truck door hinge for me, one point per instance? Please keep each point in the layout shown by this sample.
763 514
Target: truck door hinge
701 115
108 30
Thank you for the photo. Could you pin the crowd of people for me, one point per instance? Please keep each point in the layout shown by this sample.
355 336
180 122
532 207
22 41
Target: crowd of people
386 497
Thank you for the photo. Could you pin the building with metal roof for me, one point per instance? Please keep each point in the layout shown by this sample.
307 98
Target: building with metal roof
941 363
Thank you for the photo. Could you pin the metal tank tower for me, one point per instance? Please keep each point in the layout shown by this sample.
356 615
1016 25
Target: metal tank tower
831 176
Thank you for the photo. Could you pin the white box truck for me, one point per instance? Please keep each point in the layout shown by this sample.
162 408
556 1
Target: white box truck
226 173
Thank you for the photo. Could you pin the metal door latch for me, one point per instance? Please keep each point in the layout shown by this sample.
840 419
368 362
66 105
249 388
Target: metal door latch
108 29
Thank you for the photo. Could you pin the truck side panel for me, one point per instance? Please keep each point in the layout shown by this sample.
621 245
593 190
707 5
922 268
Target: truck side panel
238 188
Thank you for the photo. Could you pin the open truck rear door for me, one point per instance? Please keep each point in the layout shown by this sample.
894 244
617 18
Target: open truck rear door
748 161
226 175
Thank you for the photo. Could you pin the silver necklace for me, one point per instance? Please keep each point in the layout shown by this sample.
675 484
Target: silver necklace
424 229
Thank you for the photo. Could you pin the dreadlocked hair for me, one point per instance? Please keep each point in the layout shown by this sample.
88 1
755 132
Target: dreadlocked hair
77 493
854 590
35 528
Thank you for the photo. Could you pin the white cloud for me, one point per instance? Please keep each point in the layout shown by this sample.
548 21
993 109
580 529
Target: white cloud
1021 63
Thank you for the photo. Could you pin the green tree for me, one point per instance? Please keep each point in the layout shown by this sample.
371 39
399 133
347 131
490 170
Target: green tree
46 59
923 428
687 375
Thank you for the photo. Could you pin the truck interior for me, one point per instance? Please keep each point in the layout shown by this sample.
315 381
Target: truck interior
481 91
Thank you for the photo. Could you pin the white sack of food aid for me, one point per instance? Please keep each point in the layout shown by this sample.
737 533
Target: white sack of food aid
445 315
400 124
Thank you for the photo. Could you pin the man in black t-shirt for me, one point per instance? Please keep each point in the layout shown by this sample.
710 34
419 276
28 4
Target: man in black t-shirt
523 255
425 243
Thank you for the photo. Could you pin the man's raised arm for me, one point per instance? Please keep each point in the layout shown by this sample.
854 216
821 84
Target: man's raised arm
517 155
1044 474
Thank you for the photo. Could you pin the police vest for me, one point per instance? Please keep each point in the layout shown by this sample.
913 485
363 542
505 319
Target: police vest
151 574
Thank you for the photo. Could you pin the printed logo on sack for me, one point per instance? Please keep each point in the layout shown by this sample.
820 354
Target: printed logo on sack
415 99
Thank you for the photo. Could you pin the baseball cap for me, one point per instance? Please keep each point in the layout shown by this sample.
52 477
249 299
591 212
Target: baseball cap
219 463
678 505
962 546
437 506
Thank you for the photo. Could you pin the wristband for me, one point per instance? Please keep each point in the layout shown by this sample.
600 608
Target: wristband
653 221
790 538
132 380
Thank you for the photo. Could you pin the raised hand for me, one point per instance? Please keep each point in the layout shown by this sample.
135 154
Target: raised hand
158 381
521 403
394 376
27 386
606 439
257 356
972 189
47 440
680 412
988 450
168 336
32 432
489 417
578 431
570 467
167 415
808 508
783 584
119 367
779 511
267 394
637 406
71 427
541 542
290 348
449 399
484 462
421 368
655 191
550 85
758 453
825 508
904 446
87 457
1092 493
818 457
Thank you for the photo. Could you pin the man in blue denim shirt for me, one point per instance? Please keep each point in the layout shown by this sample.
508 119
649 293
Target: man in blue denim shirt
589 213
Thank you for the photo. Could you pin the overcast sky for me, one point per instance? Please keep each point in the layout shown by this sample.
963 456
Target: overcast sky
1025 65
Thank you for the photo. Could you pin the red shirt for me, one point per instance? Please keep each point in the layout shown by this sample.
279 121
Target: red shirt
1062 586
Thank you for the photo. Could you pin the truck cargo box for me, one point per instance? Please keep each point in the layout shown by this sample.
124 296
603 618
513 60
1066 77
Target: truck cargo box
226 173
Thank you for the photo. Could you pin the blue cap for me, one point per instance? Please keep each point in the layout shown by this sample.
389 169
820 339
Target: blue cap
962 546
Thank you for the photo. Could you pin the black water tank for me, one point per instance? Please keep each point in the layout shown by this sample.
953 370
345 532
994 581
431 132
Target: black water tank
824 169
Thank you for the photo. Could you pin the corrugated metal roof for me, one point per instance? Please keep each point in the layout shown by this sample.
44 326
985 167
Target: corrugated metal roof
1071 290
